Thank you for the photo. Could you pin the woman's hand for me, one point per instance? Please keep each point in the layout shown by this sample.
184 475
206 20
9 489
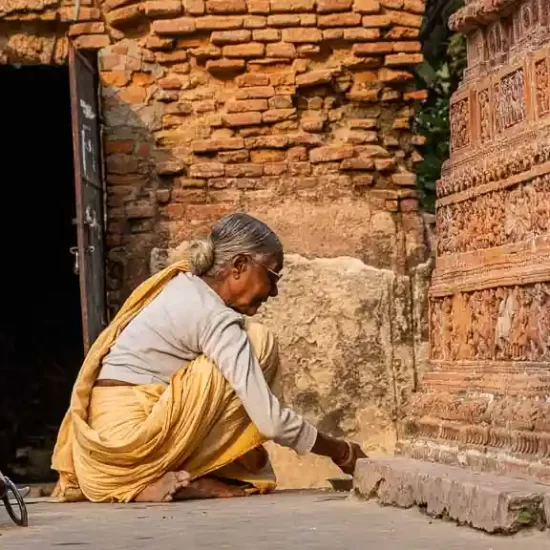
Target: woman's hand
354 453
343 453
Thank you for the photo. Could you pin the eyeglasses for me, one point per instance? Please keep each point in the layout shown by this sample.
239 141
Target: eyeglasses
273 275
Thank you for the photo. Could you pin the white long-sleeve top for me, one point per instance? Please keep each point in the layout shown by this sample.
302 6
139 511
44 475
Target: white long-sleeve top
188 319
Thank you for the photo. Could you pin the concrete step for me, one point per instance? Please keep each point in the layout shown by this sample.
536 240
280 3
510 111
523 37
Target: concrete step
492 503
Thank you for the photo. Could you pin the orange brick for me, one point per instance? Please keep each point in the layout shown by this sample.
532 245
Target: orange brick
339 20
292 6
408 47
403 59
301 35
182 25
405 19
330 6
376 21
281 49
226 6
252 49
92 41
366 6
115 78
242 119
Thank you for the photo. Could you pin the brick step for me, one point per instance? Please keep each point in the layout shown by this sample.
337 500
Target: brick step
489 502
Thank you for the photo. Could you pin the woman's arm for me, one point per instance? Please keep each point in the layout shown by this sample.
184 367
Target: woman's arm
225 342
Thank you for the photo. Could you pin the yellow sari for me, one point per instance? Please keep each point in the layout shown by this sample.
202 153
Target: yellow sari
115 441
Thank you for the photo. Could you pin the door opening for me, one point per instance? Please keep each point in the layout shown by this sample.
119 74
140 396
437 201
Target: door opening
41 332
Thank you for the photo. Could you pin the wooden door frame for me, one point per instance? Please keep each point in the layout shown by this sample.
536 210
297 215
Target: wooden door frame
84 222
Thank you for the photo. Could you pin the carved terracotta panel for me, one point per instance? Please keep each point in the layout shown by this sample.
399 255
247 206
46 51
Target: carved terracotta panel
460 124
505 324
509 100
493 219
542 87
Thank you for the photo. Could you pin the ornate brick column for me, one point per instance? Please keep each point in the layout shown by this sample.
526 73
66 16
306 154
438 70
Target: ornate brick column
485 400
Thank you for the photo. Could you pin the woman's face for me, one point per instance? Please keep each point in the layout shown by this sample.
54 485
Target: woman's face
252 282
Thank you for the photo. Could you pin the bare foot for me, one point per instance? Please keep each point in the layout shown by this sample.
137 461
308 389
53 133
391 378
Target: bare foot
164 489
209 487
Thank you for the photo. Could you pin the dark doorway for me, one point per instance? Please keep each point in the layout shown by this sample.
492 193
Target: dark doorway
41 346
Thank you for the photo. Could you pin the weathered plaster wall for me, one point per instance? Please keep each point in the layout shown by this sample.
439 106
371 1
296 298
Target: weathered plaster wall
299 112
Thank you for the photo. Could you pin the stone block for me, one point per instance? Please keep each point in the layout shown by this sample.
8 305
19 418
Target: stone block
495 504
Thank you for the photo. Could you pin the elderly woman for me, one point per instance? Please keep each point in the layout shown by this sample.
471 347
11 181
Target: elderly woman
177 396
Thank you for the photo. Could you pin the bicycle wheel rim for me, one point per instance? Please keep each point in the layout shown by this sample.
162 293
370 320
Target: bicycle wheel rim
22 518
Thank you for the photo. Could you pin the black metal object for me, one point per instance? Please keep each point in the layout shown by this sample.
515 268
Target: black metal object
13 502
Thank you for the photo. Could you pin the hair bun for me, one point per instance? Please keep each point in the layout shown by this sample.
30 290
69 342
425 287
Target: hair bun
201 255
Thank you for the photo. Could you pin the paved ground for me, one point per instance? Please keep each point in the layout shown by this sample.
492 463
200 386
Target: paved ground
285 521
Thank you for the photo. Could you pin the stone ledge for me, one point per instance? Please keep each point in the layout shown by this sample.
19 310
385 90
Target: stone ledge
495 504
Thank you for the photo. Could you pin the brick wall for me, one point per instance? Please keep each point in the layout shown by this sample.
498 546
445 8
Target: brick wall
220 105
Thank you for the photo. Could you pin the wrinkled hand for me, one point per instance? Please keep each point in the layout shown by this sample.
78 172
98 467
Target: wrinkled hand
347 464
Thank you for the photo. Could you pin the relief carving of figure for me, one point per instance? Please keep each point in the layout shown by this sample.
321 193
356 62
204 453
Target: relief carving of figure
460 124
506 311
542 91
484 116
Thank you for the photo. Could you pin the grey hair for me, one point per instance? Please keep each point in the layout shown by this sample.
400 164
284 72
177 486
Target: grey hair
232 235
